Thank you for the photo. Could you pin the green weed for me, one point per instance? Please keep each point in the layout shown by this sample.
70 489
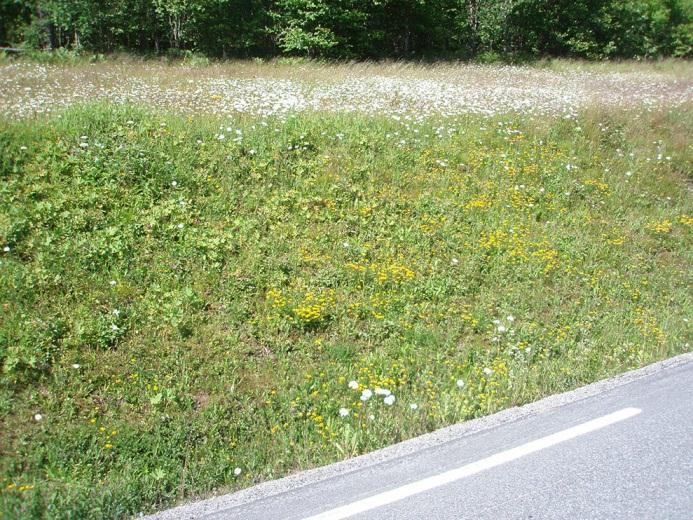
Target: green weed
184 297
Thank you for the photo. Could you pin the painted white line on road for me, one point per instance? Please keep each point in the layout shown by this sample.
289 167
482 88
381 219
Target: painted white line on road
394 495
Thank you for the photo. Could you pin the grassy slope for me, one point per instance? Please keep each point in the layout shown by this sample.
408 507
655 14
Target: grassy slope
217 322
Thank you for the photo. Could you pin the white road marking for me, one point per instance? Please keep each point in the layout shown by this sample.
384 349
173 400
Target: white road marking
394 495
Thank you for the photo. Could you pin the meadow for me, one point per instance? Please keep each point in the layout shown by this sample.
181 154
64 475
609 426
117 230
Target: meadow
198 297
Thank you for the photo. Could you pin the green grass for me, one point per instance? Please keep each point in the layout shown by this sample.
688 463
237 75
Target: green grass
217 322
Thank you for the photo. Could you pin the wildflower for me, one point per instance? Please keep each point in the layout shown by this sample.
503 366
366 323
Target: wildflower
343 412
112 282
488 371
237 471
114 327
22 148
116 312
366 395
413 406
353 384
38 417
174 183
501 329
454 261
181 226
460 383
6 249
389 400
371 417
382 391
75 366
510 318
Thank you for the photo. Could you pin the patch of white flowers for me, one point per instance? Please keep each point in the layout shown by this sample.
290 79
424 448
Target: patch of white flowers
444 91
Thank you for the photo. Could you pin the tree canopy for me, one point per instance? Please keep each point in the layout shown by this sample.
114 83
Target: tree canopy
356 29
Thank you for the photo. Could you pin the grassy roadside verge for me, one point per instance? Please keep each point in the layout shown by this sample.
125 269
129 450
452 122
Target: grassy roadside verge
184 297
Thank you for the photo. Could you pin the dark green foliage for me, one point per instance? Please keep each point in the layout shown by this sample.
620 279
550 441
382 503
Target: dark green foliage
356 29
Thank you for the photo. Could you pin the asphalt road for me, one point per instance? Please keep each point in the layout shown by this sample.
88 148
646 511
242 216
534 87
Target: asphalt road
621 448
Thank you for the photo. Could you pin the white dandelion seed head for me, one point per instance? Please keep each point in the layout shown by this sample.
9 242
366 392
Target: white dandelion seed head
38 417
389 400
237 471
460 383
366 395
353 384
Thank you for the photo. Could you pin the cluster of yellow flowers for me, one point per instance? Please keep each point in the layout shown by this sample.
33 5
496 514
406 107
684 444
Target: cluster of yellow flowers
480 202
661 227
310 309
14 487
390 272
276 298
493 239
601 186
549 257
648 325
431 223
686 220
313 309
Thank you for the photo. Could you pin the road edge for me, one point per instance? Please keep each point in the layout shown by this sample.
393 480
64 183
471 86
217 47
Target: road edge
215 504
